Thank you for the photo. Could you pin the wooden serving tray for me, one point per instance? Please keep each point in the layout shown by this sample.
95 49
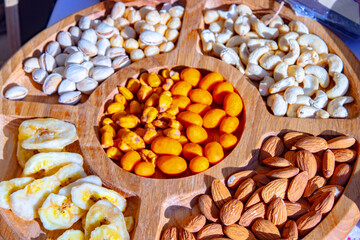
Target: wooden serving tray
158 203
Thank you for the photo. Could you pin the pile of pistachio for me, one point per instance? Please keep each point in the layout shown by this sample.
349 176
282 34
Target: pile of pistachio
293 67
87 54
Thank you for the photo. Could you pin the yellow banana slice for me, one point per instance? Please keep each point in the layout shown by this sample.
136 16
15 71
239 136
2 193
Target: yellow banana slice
8 187
72 235
23 155
109 218
58 212
52 150
86 194
66 191
45 133
129 221
25 202
45 162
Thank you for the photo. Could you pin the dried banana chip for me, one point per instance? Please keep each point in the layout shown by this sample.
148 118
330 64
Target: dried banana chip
105 232
66 191
46 133
129 221
72 235
8 187
23 155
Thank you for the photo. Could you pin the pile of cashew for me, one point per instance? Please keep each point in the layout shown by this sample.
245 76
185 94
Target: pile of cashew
293 67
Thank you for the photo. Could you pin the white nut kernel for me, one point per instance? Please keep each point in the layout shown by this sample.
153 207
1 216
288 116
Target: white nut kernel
16 93
282 85
277 104
320 99
291 94
341 86
313 41
297 72
336 108
320 73
333 61
311 84
137 54
31 64
297 26
264 86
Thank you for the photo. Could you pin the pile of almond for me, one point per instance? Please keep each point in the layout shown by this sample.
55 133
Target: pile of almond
301 178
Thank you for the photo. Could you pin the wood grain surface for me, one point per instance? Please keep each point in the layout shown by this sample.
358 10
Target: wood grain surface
158 203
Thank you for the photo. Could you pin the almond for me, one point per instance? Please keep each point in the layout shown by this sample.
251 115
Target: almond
344 155
305 160
276 212
336 189
341 175
186 235
194 223
328 164
314 184
273 189
261 180
290 156
245 190
237 232
231 212
288 172
307 222
312 144
290 230
254 212
297 186
291 138
265 230
254 198
341 142
210 231
208 208
237 178
272 147
220 193
319 161
295 210
324 203
170 233
276 162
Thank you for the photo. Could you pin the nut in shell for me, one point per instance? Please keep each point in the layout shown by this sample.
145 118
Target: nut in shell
87 86
121 62
16 93
66 86
60 59
87 47
84 23
76 72
39 75
151 38
47 62
115 52
101 61
103 45
75 33
104 30
64 39
90 35
76 57
101 73
31 64
70 98
51 83
53 48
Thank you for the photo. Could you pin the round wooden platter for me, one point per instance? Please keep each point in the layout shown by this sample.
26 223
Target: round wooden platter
158 203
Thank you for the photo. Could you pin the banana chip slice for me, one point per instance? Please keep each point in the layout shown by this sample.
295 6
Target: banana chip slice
23 155
8 187
46 133
129 221
45 162
66 191
86 194
72 235
25 202
58 212
105 221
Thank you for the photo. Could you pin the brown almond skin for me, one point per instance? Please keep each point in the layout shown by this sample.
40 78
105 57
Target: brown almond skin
237 232
261 180
276 212
254 198
276 162
272 147
328 164
208 208
311 144
171 233
314 184
336 189
186 235
307 222
324 204
194 223
297 186
210 231
341 142
290 231
318 160
287 172
291 138
306 161
342 174
220 193
344 155
231 212
254 212
295 210
237 178
290 156
265 230
245 190
275 188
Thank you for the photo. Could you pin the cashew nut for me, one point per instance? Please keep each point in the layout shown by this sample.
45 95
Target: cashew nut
244 53
276 22
229 56
265 31
269 61
251 35
229 24
309 111
305 49
284 29
264 86
231 13
211 16
217 48
257 53
308 57
243 10
277 104
297 72
242 25
333 61
284 40
291 94
236 41
282 85
320 73
320 99
281 71
224 36
279 53
207 40
300 101
294 52
311 84
217 26
341 86
313 41
336 108
257 43
255 72
297 26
